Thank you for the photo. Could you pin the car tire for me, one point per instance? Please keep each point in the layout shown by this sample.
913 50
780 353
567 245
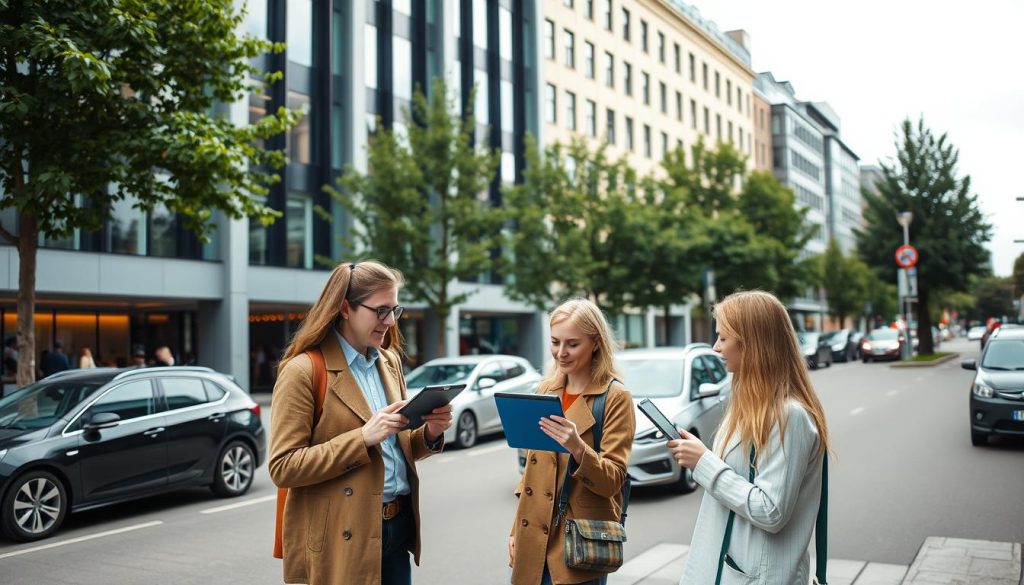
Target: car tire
866 360
42 502
978 439
466 430
236 468
686 483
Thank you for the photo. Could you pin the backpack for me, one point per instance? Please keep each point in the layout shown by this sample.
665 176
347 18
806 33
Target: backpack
319 390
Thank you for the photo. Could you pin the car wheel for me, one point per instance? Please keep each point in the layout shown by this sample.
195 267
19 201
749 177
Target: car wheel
686 483
465 431
978 439
866 359
235 470
34 507
813 364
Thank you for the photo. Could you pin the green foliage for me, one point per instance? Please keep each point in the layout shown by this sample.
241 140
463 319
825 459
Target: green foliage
948 229
1018 276
423 205
845 280
994 297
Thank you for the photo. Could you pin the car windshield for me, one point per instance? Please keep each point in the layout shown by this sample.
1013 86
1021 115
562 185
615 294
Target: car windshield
652 377
433 375
834 336
41 404
1004 354
883 334
806 339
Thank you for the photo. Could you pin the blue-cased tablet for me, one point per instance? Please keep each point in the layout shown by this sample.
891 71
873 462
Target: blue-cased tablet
520 416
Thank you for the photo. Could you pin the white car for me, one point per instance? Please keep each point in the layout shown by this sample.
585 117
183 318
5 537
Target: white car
474 410
975 333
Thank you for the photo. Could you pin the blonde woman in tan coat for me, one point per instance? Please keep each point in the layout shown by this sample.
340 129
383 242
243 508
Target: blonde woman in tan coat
352 511
581 349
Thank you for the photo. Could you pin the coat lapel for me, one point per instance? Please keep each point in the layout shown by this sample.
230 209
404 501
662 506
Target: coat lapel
392 389
343 383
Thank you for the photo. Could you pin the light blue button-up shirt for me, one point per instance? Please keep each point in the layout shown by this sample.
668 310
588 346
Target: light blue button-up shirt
396 480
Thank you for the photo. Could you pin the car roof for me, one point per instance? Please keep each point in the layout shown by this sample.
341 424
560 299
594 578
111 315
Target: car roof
661 352
104 375
1008 331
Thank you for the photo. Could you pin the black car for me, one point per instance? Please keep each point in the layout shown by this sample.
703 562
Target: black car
845 344
997 391
82 439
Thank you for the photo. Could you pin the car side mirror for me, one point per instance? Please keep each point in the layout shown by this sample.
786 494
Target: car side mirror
485 383
707 389
102 420
971 364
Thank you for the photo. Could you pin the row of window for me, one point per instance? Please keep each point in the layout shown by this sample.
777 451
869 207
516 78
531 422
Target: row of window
805 166
808 198
850 216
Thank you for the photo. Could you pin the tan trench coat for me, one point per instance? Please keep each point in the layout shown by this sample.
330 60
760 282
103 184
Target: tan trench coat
595 492
332 518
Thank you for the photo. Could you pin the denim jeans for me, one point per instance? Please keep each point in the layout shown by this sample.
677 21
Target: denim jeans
546 579
397 535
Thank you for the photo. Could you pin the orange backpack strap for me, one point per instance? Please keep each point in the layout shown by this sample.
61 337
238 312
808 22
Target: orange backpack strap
319 390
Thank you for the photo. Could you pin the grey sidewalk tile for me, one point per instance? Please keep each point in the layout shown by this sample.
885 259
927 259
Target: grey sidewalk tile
881 574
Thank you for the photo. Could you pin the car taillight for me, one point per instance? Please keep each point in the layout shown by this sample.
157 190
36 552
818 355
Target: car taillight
255 410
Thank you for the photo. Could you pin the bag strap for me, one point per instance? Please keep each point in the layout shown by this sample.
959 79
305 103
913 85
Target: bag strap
319 392
820 527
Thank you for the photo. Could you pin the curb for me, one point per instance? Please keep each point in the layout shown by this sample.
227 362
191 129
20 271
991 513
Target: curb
933 363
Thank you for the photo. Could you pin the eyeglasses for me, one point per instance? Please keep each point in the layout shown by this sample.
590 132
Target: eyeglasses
382 312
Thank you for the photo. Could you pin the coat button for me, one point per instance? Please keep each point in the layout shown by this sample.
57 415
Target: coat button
545 529
525 522
346 535
348 491
529 491
549 495
533 460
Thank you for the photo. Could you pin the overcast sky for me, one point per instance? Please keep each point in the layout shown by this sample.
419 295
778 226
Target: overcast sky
877 62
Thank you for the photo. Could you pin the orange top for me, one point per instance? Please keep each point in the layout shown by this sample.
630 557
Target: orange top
567 400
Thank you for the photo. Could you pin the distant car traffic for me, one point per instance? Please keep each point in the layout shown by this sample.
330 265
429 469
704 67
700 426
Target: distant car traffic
975 333
82 439
881 344
815 348
997 390
474 410
845 344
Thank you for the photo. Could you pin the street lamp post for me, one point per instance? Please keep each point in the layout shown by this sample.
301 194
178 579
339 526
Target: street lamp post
904 218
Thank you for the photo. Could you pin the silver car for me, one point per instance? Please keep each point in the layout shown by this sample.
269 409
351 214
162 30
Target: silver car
474 410
691 386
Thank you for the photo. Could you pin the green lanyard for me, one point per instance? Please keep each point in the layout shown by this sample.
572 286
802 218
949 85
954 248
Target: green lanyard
820 528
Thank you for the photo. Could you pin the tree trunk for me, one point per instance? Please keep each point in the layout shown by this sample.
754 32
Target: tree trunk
442 310
924 323
28 248
668 327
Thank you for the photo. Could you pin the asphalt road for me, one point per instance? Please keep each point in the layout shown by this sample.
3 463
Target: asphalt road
904 470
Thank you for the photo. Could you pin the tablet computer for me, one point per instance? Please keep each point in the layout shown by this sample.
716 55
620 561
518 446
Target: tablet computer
659 419
427 400
520 417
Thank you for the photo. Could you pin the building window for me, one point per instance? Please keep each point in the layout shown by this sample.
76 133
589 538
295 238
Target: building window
693 114
549 39
647 141
663 97
299 245
610 126
570 110
730 131
693 68
370 59
739 99
609 69
300 22
550 104
608 15
718 85
679 106
728 92
300 142
588 60
718 127
664 144
629 133
678 56
661 47
480 24
704 70
570 50
625 24
707 122
588 9
568 3
645 88
627 78
591 119
643 35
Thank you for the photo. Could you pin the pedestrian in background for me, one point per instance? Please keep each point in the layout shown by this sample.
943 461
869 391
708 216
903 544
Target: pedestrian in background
163 356
774 431
352 510
55 361
85 360
582 347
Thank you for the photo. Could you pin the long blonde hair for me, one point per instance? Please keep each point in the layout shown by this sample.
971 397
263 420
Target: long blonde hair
771 371
588 317
352 281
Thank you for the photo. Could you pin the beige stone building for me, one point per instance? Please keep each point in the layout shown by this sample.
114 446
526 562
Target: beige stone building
762 114
645 75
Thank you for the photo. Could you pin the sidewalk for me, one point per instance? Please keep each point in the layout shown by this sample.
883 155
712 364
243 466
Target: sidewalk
941 561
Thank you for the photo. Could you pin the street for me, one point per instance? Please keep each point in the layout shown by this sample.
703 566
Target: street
904 470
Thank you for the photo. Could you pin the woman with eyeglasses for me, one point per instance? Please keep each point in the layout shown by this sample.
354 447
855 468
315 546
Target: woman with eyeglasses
351 513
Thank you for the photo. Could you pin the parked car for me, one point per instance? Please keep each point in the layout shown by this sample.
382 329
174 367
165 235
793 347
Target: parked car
82 439
881 344
474 410
815 348
845 344
997 390
691 386
975 333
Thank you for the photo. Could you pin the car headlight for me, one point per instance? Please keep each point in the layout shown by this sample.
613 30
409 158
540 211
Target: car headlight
649 436
867 347
982 390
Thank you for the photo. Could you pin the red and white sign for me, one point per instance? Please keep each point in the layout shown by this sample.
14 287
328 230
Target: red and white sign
906 256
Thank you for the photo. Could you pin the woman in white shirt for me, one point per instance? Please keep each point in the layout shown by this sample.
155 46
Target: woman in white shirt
85 359
774 431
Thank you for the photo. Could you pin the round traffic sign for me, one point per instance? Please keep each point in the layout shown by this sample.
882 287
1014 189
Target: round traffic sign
906 256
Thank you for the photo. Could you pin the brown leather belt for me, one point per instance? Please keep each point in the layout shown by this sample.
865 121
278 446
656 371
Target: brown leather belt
391 509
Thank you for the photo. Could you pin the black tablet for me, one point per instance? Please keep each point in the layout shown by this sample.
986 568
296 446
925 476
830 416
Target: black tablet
659 419
427 400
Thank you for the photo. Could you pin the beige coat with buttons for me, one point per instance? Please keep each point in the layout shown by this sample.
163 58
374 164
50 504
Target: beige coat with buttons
332 518
595 492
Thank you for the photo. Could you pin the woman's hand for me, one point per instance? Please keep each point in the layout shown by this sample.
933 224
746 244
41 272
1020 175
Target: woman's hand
437 422
564 432
383 424
511 548
688 451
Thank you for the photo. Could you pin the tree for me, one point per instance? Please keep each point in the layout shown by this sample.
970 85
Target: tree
845 282
422 207
948 229
994 298
111 100
1018 277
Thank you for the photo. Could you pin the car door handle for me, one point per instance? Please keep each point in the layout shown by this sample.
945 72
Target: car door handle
154 432
215 417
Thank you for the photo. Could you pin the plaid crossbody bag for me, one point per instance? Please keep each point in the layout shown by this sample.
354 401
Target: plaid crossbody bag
594 545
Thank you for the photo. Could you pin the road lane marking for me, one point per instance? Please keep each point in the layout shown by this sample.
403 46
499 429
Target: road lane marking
239 504
81 539
857 411
486 450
